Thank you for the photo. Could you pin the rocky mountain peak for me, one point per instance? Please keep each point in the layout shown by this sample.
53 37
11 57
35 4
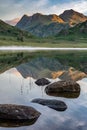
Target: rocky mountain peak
23 21
37 14
73 17
56 18
48 25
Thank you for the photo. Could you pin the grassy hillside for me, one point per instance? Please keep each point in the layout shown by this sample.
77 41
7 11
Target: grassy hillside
8 30
76 33
46 42
10 35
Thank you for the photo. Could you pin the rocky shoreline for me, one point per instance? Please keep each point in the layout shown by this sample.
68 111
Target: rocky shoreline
20 115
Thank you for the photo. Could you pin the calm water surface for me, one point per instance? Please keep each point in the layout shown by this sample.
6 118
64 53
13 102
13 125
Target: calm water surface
14 89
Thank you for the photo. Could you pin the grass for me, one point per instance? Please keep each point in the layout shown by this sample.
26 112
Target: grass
44 42
13 36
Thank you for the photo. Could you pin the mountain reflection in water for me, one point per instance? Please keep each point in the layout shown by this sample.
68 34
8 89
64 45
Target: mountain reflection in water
18 90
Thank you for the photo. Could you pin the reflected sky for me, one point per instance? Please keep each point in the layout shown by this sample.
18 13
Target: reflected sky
15 89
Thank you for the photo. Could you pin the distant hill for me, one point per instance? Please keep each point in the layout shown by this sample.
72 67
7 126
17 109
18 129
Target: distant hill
79 29
42 25
48 25
7 30
12 22
72 17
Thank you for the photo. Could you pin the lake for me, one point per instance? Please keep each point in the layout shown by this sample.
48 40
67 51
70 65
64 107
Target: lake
17 86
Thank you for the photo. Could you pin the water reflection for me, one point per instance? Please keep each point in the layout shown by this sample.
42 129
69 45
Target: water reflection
14 123
23 83
39 67
14 89
64 94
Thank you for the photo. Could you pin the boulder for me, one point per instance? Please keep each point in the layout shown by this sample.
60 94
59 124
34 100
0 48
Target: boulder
63 86
18 112
42 82
64 94
16 123
54 104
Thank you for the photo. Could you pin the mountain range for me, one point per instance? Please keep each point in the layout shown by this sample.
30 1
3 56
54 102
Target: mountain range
49 25
69 23
49 68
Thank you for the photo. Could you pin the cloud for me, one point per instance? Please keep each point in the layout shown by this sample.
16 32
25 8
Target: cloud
10 9
30 7
79 5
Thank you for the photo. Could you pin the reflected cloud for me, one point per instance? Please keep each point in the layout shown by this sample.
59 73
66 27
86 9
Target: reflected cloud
14 72
17 89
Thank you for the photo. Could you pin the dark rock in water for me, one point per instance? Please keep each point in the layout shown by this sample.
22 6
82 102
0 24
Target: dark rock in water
16 123
54 104
42 82
18 112
64 94
63 86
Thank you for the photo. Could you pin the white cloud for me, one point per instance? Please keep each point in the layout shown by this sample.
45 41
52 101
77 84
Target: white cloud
80 6
10 9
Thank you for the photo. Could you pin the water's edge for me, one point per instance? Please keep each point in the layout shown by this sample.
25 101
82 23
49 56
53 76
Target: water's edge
27 48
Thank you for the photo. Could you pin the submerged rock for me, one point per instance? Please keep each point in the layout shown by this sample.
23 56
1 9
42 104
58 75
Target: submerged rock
63 86
16 123
18 112
42 82
54 104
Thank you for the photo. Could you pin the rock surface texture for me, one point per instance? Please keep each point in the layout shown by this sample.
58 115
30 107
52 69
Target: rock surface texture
54 104
63 86
42 82
18 112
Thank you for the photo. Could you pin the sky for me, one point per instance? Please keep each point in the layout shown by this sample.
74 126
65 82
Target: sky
10 9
